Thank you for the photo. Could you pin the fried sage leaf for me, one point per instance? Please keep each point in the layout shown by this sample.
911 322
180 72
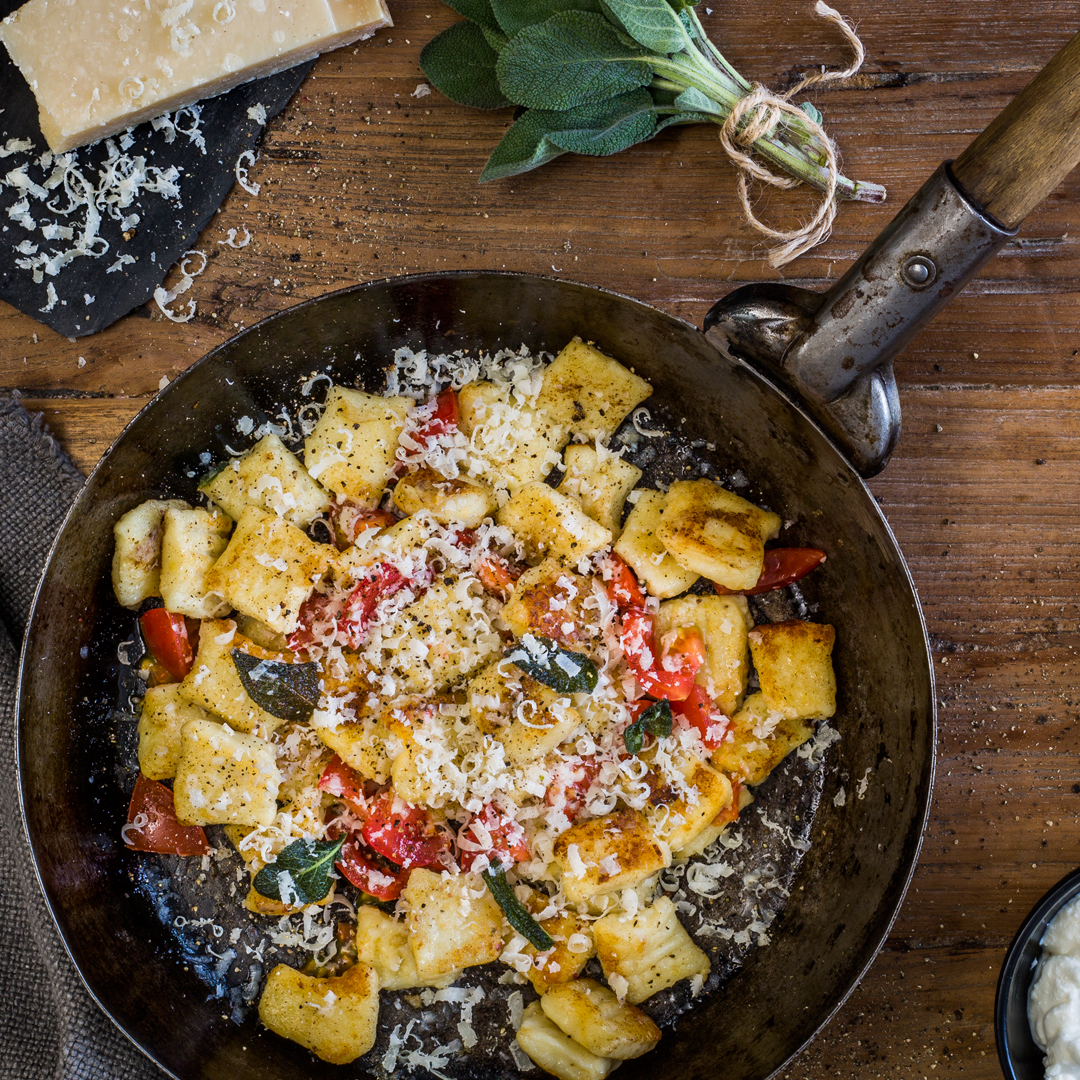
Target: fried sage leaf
656 720
516 915
549 663
288 691
302 872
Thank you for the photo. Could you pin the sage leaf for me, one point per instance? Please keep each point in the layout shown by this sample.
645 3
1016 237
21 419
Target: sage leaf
460 63
652 23
693 100
515 15
288 691
514 910
609 127
680 118
549 663
477 11
569 59
302 872
525 146
540 135
496 39
812 111
656 720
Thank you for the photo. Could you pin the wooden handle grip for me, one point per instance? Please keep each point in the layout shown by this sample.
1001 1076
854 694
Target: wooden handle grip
1032 145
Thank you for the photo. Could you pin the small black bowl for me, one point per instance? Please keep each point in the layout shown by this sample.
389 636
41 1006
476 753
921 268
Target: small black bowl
1019 1054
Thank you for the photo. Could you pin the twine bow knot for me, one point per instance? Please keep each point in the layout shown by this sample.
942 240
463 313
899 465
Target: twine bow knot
755 115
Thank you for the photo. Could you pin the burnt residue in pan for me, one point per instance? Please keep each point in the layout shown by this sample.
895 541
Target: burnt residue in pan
731 900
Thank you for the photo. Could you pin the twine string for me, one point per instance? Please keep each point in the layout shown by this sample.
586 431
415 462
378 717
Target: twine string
758 113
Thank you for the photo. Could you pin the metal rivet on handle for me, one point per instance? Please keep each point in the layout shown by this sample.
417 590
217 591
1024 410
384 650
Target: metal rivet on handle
919 271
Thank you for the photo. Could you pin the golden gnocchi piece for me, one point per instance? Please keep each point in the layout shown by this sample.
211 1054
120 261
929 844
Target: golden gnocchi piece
587 393
269 569
224 777
528 718
708 836
383 943
555 1052
213 682
518 440
461 500
724 622
334 1018
573 949
353 446
360 743
640 547
191 541
600 484
593 1016
550 600
408 780
758 739
716 533
650 951
551 524
163 713
606 854
136 563
453 921
794 666
444 636
677 818
270 477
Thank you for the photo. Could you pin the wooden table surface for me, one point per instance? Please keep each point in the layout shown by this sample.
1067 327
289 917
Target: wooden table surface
361 180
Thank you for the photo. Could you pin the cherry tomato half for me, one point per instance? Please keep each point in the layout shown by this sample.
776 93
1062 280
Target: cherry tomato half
570 785
670 671
497 576
352 622
782 567
403 833
699 711
731 811
166 636
622 586
365 872
343 781
152 824
497 836
443 419
350 519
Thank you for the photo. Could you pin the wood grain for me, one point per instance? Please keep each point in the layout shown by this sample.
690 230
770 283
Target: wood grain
361 181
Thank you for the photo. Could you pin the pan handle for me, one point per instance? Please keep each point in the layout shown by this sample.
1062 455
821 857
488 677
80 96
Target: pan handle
836 351
1030 147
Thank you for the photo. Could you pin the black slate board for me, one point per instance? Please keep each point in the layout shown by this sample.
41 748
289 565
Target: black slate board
168 226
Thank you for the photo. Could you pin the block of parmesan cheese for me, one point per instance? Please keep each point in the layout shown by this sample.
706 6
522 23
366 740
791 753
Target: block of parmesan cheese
99 66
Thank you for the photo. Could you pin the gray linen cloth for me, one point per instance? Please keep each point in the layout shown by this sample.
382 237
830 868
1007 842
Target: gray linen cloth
50 1027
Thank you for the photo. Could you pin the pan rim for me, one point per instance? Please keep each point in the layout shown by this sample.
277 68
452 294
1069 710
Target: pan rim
876 942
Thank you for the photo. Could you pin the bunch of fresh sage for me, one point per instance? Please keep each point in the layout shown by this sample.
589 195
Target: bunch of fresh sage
598 76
